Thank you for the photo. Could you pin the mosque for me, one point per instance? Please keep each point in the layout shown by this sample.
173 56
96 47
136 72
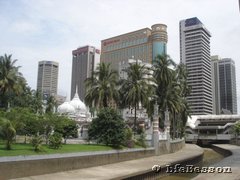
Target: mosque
77 110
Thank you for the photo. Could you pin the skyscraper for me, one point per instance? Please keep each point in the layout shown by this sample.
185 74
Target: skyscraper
215 84
195 54
85 60
144 44
224 83
47 80
227 84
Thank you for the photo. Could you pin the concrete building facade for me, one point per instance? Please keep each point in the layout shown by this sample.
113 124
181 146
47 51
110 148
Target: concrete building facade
47 80
195 54
144 44
84 62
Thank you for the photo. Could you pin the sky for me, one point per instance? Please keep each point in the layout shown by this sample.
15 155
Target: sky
33 30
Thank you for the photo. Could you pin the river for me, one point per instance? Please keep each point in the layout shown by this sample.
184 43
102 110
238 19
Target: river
210 157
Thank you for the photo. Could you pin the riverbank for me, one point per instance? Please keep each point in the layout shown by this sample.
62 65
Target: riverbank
127 169
232 161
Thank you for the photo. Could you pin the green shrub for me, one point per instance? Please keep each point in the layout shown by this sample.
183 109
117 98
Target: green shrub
141 140
7 132
36 142
108 128
129 142
140 130
55 140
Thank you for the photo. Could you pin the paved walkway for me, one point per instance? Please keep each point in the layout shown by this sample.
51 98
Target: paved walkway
123 169
232 161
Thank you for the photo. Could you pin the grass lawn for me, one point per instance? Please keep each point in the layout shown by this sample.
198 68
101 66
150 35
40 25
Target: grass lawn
27 149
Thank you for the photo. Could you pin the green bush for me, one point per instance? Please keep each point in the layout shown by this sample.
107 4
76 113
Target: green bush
55 140
36 142
108 128
141 140
129 142
66 127
7 132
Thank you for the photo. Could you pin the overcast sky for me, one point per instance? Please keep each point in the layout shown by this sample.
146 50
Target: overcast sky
33 30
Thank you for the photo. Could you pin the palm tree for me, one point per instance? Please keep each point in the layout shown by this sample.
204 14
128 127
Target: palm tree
51 104
37 104
101 87
172 91
163 71
24 99
11 80
137 88
7 132
165 77
182 78
185 91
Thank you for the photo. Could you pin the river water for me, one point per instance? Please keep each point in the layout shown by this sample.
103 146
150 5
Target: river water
210 157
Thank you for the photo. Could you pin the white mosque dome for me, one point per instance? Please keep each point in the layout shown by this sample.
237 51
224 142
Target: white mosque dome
66 108
78 104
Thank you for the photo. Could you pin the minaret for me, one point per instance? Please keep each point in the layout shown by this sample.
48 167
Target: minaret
76 93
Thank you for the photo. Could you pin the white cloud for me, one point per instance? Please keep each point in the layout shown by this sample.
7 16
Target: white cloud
24 27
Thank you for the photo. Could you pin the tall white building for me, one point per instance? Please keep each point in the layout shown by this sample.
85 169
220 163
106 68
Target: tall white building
195 54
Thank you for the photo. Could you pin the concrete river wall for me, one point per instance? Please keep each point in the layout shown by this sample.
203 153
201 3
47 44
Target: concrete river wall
22 166
25 166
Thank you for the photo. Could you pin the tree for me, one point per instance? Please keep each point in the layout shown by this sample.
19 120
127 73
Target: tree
107 128
164 78
36 142
163 70
11 80
236 130
48 123
26 122
171 92
129 137
55 140
37 104
7 132
102 87
136 88
184 92
66 127
51 104
24 99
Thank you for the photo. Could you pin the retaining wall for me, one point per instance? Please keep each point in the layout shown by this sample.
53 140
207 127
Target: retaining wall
176 145
171 146
222 151
22 166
